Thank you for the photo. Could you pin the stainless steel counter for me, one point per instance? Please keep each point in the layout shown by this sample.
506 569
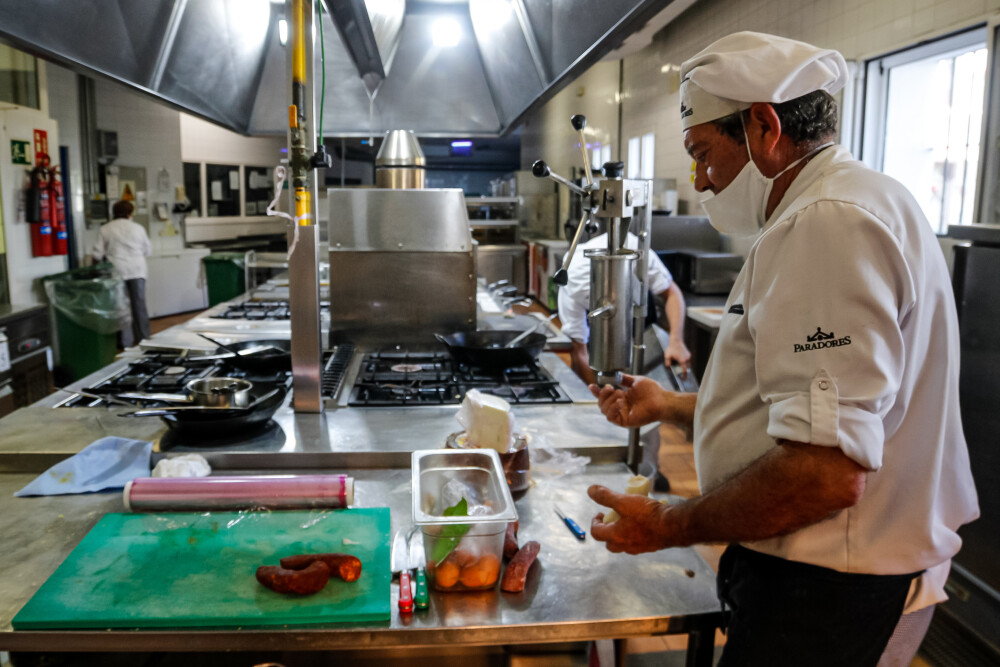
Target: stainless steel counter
577 591
38 436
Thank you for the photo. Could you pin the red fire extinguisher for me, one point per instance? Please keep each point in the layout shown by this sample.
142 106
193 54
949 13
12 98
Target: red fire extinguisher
58 206
38 210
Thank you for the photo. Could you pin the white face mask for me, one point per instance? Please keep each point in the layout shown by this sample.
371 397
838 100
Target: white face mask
740 208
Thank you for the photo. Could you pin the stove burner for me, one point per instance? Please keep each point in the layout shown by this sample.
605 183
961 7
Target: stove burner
262 310
406 368
169 373
401 378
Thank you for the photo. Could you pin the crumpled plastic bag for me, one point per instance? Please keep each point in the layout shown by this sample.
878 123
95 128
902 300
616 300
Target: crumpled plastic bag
551 462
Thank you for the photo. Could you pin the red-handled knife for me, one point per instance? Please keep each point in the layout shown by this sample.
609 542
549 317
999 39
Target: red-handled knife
399 564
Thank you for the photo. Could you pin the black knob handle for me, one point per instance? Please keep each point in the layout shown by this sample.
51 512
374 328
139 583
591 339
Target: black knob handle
591 227
614 169
560 277
540 169
579 122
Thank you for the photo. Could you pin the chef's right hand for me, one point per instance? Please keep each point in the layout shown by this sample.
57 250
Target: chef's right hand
641 401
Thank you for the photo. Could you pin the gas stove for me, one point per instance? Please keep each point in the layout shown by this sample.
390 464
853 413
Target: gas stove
393 378
169 373
262 310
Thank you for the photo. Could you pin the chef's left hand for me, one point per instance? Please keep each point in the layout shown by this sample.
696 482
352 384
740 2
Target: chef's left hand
678 353
641 527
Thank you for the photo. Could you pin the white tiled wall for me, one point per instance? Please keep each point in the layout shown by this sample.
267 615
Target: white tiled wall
859 29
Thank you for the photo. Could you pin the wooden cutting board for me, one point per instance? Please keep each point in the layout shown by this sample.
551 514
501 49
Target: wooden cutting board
197 570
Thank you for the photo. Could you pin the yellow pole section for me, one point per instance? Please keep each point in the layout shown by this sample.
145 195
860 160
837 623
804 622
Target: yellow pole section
298 41
303 206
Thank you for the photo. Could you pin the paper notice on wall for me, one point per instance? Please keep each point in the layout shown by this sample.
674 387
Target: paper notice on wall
217 190
234 180
111 185
140 202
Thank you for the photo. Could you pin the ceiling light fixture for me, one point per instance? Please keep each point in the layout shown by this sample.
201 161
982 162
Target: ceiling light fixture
283 31
446 32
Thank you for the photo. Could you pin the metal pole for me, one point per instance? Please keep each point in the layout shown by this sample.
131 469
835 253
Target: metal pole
303 264
634 454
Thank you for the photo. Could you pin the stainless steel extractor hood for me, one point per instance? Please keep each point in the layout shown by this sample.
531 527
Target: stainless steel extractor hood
389 63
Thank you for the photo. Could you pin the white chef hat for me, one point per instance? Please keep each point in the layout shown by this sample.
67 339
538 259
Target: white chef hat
746 67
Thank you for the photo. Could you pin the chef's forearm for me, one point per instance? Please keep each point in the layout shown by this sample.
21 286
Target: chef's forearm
674 307
792 486
679 408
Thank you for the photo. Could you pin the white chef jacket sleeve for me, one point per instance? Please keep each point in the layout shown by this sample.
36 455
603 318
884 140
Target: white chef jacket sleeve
147 245
99 248
573 315
827 292
658 277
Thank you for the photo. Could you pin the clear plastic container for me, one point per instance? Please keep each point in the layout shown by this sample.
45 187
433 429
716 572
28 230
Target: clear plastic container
464 551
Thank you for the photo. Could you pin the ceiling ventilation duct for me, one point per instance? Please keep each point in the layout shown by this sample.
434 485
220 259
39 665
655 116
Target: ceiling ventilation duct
369 31
222 59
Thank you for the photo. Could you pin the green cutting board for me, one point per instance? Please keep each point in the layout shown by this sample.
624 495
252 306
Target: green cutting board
197 570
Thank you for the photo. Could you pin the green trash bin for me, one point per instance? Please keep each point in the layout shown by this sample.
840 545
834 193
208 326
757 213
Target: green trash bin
226 276
90 305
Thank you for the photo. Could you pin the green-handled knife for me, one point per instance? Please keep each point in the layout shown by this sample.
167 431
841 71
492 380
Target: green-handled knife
418 562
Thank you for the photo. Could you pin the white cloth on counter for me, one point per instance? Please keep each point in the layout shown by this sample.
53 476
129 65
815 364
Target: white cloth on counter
841 331
574 296
105 464
126 245
185 465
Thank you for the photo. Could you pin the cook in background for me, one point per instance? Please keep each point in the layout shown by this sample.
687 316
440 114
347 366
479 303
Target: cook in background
126 245
827 434
574 301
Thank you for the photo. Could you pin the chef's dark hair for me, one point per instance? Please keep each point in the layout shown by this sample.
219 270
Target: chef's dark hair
122 209
811 118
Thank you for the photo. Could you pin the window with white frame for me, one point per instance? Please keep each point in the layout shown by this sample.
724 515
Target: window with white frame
923 120
641 152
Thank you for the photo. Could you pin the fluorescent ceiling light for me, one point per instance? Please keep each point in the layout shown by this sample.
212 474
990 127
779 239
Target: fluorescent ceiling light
446 32
283 31
461 144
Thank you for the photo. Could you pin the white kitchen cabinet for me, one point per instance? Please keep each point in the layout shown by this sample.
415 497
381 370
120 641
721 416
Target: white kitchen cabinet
176 283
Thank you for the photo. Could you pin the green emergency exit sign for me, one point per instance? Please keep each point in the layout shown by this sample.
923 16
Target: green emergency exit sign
19 152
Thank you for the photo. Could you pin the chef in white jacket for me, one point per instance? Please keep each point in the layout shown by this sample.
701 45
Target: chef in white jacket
827 433
126 245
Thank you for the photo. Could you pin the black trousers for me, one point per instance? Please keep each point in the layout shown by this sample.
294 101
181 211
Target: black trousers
783 612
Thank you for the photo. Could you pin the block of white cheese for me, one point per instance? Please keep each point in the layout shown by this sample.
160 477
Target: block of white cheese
487 420
637 485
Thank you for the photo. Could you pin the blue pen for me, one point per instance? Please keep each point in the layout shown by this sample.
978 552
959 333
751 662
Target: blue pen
572 525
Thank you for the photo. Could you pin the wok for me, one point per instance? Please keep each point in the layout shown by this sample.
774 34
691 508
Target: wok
268 361
487 349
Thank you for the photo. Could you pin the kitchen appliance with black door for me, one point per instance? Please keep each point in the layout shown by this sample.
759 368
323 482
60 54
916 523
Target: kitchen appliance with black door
25 369
974 585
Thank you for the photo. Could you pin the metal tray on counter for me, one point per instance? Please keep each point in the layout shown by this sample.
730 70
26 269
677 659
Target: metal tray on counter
479 469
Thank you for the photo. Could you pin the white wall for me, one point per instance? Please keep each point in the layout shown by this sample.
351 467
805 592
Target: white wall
64 108
860 29
202 141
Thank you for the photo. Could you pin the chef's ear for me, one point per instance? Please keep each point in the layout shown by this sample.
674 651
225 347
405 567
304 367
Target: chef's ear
763 129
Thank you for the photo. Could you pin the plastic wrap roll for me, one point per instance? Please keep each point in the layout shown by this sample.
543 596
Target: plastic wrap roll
284 492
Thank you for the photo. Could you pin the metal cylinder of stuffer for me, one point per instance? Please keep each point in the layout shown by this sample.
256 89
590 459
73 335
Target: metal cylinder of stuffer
612 288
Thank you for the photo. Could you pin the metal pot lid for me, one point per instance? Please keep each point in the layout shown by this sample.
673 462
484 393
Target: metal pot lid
400 148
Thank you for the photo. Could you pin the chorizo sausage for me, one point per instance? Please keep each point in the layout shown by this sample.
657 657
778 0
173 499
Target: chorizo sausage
345 566
510 540
517 569
310 580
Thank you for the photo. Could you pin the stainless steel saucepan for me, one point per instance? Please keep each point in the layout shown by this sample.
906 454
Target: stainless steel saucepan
213 392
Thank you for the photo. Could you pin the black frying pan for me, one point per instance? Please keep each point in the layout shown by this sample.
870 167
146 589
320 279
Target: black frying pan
271 361
486 349
212 421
